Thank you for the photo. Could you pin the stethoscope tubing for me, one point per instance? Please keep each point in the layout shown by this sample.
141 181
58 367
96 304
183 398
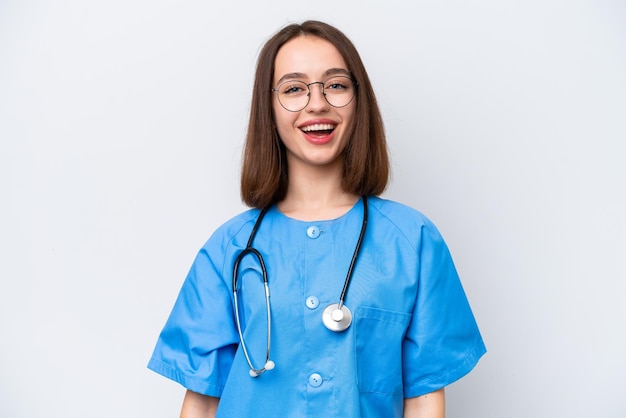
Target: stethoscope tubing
355 255
250 250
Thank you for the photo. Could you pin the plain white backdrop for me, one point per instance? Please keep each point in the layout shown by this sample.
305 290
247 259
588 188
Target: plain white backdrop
121 128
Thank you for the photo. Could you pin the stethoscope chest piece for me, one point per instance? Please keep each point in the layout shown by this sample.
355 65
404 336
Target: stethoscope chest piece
337 319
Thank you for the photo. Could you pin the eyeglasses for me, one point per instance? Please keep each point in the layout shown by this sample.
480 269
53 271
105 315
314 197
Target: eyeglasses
294 95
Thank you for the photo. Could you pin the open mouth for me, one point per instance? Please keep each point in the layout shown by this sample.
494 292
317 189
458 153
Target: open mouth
320 129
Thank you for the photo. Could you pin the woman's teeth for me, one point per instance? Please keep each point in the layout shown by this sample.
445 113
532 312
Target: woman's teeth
318 127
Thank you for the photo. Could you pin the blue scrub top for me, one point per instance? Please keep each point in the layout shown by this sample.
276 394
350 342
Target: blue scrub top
413 331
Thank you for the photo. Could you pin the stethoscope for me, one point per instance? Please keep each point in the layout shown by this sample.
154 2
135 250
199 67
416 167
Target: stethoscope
336 316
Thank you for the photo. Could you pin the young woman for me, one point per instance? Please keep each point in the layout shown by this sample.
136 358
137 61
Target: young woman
324 300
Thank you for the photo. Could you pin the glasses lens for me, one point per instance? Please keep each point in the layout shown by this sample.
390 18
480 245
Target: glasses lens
339 91
293 95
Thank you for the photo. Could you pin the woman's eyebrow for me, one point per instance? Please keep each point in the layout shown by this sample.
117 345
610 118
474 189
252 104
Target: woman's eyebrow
291 76
300 76
335 71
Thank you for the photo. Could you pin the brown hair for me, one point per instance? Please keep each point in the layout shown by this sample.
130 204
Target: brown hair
264 178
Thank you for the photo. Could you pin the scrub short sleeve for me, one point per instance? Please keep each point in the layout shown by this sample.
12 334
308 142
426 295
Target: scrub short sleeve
198 343
443 342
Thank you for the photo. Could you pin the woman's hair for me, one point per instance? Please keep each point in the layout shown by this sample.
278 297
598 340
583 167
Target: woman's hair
264 178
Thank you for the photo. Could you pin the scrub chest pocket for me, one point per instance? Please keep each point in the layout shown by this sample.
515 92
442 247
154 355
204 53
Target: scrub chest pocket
378 349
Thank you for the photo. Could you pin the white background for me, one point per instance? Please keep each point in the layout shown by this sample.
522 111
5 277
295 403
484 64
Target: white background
121 127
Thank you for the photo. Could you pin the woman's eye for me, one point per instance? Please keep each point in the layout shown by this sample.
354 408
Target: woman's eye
292 89
336 85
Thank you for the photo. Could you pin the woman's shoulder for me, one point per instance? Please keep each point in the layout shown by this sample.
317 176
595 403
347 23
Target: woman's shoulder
406 219
398 213
239 225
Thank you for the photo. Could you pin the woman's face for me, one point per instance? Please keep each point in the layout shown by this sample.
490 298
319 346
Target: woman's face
315 136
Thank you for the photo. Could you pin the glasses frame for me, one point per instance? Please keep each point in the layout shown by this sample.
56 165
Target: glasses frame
308 86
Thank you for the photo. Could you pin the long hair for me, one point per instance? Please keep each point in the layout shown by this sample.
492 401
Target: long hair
264 175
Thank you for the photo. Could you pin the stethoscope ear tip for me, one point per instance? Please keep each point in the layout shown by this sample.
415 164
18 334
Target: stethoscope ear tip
269 365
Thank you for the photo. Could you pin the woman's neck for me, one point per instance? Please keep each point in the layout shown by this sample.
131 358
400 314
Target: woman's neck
316 195
318 207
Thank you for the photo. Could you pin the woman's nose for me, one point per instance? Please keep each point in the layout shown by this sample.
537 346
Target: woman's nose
317 99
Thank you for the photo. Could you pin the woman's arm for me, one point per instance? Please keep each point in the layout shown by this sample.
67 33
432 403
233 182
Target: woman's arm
431 405
196 405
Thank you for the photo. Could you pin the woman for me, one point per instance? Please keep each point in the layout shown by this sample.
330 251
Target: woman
398 327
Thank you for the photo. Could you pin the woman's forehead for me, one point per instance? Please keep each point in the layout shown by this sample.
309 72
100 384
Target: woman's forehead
308 57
